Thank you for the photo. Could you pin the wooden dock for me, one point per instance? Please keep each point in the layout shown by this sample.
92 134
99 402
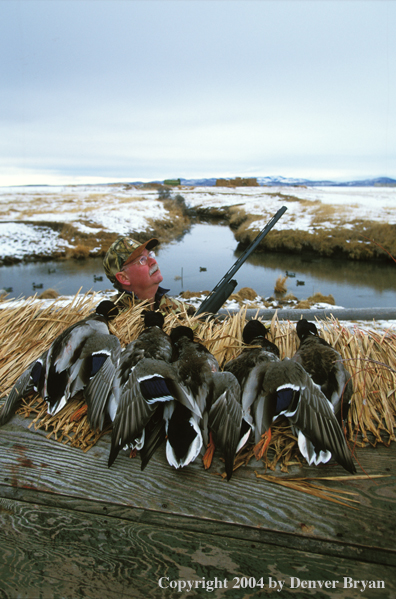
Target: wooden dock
72 528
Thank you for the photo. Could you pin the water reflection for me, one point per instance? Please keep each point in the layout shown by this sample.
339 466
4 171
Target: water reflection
380 276
66 277
202 256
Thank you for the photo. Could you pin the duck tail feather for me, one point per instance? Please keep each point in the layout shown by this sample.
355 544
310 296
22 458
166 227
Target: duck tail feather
246 431
155 436
184 437
97 393
113 454
22 388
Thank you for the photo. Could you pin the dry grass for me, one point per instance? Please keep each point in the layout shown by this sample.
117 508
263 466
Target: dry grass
319 297
353 239
280 285
49 294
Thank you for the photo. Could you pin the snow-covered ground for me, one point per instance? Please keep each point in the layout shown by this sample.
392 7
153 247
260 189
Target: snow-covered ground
358 203
127 210
90 209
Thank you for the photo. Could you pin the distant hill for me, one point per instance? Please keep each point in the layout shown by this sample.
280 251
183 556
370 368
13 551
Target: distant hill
289 181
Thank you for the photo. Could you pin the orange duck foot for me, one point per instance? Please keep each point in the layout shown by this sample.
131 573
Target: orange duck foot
208 457
133 453
262 445
78 414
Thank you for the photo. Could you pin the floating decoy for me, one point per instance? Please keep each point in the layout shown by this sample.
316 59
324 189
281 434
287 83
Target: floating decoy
274 387
37 285
289 274
300 282
202 269
8 289
71 361
143 382
97 278
51 271
325 366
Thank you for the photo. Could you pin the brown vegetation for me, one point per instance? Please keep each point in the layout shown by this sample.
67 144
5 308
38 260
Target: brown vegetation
318 297
280 285
357 243
49 294
237 182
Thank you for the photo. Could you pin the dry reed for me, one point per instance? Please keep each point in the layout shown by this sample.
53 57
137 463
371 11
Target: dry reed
280 285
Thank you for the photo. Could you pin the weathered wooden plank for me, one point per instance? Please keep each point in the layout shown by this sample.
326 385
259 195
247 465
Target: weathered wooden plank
28 460
57 553
308 543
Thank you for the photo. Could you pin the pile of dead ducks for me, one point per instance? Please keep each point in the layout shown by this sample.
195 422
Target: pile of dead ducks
170 388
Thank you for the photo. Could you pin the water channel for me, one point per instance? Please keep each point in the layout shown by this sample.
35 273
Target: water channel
199 259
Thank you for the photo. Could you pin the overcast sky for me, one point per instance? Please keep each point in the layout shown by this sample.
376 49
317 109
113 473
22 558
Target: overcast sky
132 90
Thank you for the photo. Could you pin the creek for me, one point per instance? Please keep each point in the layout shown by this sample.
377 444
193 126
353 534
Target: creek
200 258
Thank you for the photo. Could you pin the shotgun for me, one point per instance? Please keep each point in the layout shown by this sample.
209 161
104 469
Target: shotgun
219 294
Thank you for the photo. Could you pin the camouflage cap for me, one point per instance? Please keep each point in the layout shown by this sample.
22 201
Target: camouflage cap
123 251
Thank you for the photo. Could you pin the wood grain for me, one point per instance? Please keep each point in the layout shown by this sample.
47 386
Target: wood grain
57 553
71 527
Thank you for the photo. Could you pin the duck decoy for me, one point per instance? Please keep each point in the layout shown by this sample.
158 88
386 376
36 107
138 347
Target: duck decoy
325 366
289 274
202 269
300 282
72 360
37 285
97 278
144 380
275 387
51 271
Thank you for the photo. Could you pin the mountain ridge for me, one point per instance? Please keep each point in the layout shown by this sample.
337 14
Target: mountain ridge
293 182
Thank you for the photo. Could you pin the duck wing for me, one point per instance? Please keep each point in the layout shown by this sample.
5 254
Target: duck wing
30 380
101 355
154 436
64 362
195 372
249 368
292 393
324 364
150 382
225 417
133 413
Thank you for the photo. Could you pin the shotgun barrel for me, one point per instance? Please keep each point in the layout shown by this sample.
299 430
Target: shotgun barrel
219 294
